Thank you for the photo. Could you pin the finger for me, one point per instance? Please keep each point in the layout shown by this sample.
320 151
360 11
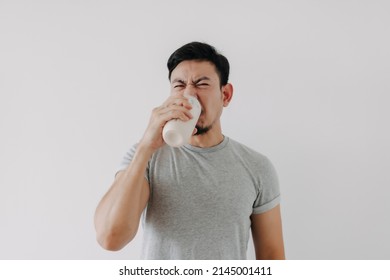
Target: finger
177 100
176 112
174 107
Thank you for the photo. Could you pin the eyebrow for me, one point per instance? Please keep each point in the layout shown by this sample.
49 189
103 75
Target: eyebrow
178 81
201 79
204 78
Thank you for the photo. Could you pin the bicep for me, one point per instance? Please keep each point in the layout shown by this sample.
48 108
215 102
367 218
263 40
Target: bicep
267 234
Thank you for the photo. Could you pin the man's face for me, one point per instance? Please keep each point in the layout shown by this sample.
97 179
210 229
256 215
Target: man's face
200 79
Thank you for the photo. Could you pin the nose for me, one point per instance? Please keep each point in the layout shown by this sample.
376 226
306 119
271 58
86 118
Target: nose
190 90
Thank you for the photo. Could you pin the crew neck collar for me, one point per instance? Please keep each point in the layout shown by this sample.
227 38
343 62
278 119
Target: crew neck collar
209 149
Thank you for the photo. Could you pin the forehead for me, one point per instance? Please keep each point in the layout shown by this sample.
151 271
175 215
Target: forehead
192 69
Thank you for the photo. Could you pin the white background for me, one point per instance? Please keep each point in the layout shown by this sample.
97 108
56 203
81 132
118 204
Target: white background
78 80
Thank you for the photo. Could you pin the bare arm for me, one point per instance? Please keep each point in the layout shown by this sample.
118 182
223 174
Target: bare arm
267 235
118 213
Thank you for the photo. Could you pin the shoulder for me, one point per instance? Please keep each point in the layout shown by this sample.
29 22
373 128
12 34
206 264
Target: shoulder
246 153
259 165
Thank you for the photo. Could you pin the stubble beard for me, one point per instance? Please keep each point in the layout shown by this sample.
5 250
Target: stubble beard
202 130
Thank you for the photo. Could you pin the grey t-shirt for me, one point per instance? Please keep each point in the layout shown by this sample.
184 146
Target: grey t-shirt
201 200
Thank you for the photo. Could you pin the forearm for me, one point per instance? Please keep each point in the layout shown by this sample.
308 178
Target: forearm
117 215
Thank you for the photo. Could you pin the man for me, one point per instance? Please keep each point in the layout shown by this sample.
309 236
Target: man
200 200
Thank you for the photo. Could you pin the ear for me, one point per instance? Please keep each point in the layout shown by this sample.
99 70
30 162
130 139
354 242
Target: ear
227 94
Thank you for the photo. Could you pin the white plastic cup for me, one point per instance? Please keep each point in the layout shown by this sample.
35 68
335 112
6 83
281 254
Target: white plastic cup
177 133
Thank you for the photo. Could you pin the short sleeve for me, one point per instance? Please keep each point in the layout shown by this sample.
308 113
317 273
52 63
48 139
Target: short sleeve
127 158
269 192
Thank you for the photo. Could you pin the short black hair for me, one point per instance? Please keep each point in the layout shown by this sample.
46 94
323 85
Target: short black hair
202 52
